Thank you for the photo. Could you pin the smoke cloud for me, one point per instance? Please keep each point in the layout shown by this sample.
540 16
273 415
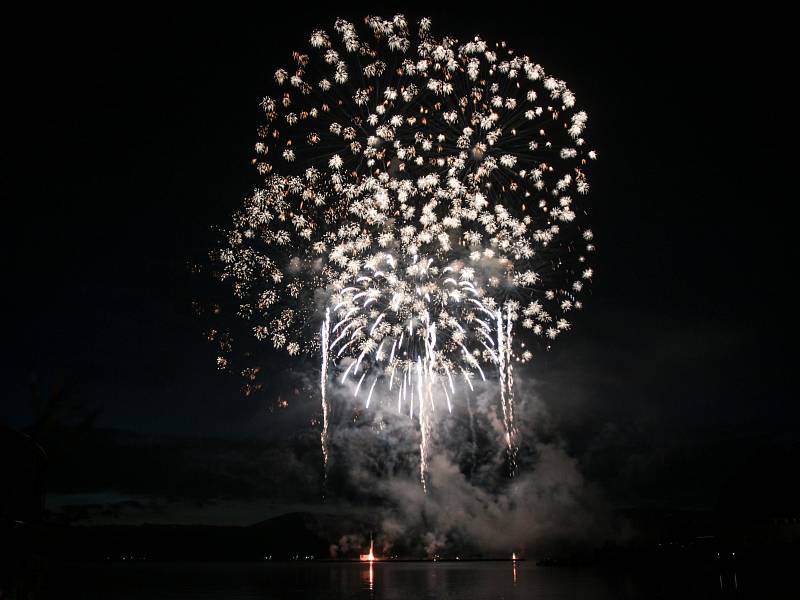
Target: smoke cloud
473 506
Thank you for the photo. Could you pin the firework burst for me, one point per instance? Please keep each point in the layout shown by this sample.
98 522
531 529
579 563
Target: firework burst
418 223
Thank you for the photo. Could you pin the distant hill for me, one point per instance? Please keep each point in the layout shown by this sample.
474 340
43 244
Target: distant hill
292 536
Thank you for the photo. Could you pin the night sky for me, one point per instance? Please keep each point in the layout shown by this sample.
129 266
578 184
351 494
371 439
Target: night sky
128 139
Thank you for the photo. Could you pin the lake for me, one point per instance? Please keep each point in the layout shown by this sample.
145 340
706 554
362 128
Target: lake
394 581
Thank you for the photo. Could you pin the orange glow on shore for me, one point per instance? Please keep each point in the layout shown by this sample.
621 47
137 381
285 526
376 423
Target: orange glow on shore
513 556
368 557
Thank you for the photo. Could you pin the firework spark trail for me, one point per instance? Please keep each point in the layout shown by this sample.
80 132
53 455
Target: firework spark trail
426 190
323 382
501 366
423 424
509 379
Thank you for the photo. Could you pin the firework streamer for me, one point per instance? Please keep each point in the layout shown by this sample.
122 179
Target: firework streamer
323 384
424 428
509 379
502 371
426 191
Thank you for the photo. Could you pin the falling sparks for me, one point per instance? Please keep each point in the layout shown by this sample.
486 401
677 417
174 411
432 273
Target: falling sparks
420 201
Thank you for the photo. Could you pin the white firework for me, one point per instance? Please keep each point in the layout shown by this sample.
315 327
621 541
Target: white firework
419 221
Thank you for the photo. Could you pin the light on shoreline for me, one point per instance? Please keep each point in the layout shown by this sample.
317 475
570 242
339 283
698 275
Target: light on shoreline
368 557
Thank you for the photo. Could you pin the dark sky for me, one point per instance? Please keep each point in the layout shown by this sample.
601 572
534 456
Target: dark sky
128 136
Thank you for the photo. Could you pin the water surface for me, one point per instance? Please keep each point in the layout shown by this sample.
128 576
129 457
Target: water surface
393 581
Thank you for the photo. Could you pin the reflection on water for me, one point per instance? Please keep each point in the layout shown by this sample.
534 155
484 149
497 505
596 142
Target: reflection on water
368 575
507 580
728 582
